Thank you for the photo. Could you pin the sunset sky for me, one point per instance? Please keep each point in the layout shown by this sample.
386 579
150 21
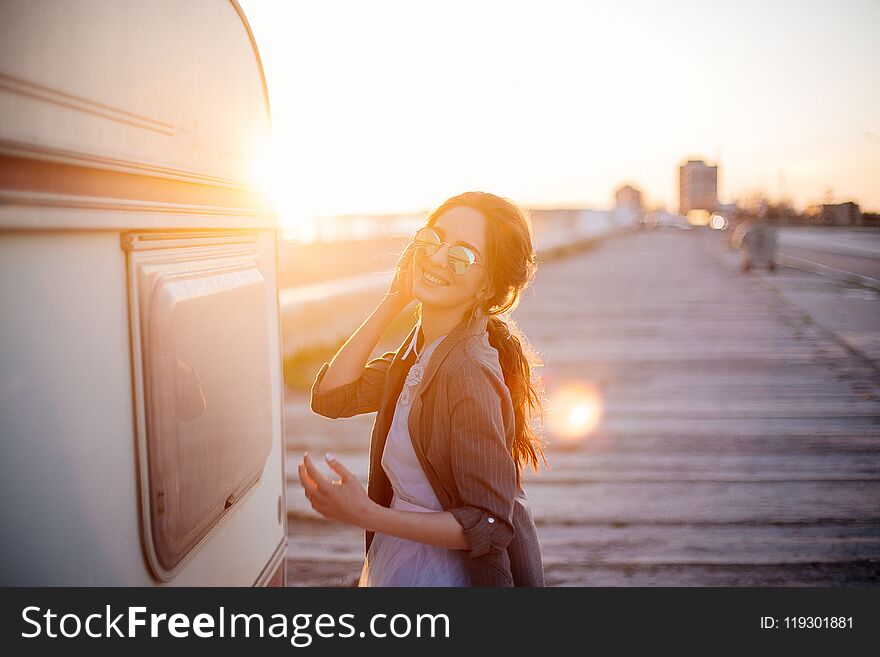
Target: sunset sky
393 106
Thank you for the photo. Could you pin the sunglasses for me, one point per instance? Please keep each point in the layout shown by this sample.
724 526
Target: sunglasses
459 258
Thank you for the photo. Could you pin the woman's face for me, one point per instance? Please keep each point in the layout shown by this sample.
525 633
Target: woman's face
464 226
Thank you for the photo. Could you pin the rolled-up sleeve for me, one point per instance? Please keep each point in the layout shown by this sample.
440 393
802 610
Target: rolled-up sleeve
362 395
482 465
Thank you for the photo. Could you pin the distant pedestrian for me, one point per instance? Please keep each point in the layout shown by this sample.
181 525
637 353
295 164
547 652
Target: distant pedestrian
757 245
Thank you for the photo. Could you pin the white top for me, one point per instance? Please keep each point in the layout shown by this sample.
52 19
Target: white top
399 459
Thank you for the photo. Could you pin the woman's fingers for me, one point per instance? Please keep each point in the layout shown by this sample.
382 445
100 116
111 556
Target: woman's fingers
320 480
311 472
308 484
340 469
316 479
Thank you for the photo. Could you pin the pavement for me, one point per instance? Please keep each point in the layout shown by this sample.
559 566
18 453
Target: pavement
737 425
843 298
849 254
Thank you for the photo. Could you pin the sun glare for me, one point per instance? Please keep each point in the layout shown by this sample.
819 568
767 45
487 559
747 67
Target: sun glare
268 175
263 168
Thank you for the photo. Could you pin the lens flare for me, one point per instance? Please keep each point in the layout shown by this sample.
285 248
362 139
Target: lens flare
579 416
574 412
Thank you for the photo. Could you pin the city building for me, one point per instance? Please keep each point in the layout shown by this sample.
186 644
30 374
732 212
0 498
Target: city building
837 214
628 205
698 186
628 197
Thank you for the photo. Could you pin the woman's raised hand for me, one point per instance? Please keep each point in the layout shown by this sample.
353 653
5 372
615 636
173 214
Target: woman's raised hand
401 289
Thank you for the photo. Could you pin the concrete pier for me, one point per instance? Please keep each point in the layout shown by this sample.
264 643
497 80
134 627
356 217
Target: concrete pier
739 438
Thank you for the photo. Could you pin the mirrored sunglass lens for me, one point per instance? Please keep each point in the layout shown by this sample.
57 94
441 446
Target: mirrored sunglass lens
463 252
459 264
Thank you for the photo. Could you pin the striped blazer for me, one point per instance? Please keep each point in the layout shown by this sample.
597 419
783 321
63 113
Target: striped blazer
461 423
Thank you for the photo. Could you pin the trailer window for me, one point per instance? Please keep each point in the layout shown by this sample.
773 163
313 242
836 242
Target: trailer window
201 330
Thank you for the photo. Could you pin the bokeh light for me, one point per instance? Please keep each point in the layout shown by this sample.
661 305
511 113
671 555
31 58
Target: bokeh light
574 410
718 222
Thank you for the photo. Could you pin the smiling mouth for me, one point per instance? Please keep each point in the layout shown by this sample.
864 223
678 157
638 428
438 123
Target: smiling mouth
434 280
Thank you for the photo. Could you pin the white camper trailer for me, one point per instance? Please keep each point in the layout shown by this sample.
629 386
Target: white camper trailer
141 429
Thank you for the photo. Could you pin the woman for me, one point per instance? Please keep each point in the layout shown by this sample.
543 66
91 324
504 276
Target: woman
444 505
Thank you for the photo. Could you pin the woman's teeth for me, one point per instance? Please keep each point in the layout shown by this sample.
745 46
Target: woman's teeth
433 279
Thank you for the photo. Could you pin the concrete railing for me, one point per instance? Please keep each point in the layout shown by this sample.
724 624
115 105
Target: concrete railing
326 313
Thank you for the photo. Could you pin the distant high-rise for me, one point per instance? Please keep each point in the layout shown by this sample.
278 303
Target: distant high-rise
698 186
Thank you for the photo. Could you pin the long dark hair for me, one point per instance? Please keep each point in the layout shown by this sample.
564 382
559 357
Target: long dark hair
512 264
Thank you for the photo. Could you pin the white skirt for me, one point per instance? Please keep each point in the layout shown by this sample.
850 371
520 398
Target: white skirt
393 561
